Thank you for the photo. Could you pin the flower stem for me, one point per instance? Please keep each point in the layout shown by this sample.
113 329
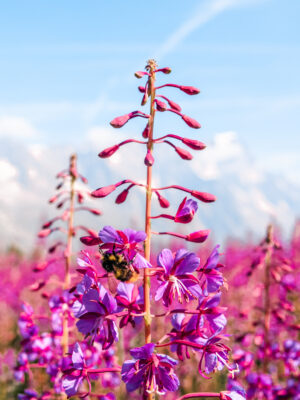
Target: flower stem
267 299
68 254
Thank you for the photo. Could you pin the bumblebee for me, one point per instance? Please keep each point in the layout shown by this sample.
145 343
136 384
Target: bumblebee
119 266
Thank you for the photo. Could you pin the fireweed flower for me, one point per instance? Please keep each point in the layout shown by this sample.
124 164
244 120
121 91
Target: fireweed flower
186 211
75 373
95 312
153 372
209 307
126 243
176 276
213 277
128 297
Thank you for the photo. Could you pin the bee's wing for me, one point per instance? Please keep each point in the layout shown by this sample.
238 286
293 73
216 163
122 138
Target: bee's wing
112 283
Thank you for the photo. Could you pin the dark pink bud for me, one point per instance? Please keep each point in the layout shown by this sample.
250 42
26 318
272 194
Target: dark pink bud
191 122
205 197
90 240
193 144
118 122
59 186
144 99
40 266
95 211
189 90
37 286
44 233
122 197
149 159
80 198
109 151
184 154
165 70
104 191
197 237
164 203
47 224
140 74
146 132
142 89
174 105
53 199
160 105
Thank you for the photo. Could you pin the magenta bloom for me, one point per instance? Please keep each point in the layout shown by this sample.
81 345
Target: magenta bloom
128 297
153 372
177 280
210 271
186 211
125 242
95 312
74 375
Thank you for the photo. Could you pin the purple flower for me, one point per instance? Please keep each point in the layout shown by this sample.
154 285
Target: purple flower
213 277
209 306
190 330
95 312
74 374
153 372
128 297
186 211
176 276
126 243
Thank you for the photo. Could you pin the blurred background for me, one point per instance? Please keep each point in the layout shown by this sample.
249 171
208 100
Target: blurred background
67 68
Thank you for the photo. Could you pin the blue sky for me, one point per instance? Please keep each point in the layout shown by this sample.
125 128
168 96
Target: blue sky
67 67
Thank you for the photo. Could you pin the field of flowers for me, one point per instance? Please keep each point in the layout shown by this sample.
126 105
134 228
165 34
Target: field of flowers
118 318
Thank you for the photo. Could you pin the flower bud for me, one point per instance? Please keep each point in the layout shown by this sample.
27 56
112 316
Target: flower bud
40 266
160 105
164 203
37 286
90 240
109 151
80 198
191 122
53 199
165 70
144 99
149 159
174 105
202 196
142 89
118 122
104 191
197 237
44 233
122 197
193 144
184 154
140 74
190 90
146 131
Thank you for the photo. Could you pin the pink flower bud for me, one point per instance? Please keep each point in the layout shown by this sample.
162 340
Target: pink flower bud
149 159
174 105
104 191
109 151
164 203
44 233
37 286
80 198
193 144
205 197
189 90
90 240
140 74
59 186
197 237
84 180
144 99
165 70
47 224
184 154
118 122
146 132
40 266
160 105
191 122
142 89
95 211
122 197
53 199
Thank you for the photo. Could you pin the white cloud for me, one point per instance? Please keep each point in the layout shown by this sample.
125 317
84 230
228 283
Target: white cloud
16 127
